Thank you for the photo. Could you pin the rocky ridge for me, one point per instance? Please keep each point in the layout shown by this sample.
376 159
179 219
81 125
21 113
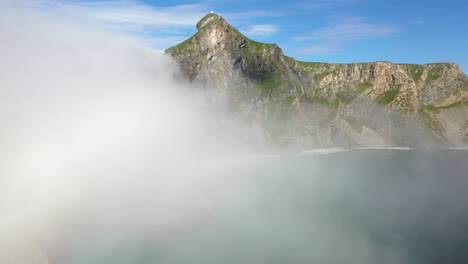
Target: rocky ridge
303 105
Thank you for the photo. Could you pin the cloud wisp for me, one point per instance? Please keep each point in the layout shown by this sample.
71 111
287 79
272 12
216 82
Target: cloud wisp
351 29
319 49
128 14
261 30
246 15
336 35
321 4
157 26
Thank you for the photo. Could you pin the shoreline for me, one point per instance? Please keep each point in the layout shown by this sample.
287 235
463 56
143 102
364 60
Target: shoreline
329 151
339 150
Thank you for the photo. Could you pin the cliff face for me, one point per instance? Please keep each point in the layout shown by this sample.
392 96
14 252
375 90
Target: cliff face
310 104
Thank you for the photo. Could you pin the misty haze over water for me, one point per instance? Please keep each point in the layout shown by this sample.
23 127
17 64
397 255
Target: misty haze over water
106 158
350 207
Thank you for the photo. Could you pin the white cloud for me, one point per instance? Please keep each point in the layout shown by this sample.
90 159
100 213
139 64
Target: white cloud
318 49
350 29
261 30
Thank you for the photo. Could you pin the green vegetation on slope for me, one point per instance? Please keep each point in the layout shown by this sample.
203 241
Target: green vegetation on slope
415 71
268 85
259 46
454 105
356 123
183 48
436 109
387 97
323 101
322 75
202 21
254 48
432 76
310 64
363 86
313 67
346 96
288 100
290 61
436 70
428 116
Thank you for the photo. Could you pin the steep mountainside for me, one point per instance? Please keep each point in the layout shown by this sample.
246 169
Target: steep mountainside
311 104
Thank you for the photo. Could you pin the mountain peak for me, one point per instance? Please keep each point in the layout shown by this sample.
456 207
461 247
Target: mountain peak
224 47
216 36
208 19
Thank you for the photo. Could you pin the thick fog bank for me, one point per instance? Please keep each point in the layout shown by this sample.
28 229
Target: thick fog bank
96 131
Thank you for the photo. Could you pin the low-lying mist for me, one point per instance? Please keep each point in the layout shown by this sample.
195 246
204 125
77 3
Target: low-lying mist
106 158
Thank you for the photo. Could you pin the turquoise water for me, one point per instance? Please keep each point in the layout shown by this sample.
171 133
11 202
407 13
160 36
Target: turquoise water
350 207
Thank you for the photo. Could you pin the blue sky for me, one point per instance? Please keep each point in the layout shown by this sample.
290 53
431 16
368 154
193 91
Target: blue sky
402 31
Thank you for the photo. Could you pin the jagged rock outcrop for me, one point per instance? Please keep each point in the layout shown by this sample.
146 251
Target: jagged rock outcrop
312 104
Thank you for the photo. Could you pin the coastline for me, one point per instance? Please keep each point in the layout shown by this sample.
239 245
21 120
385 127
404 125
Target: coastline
324 151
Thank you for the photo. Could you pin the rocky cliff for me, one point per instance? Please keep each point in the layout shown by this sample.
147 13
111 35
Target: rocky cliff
314 105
